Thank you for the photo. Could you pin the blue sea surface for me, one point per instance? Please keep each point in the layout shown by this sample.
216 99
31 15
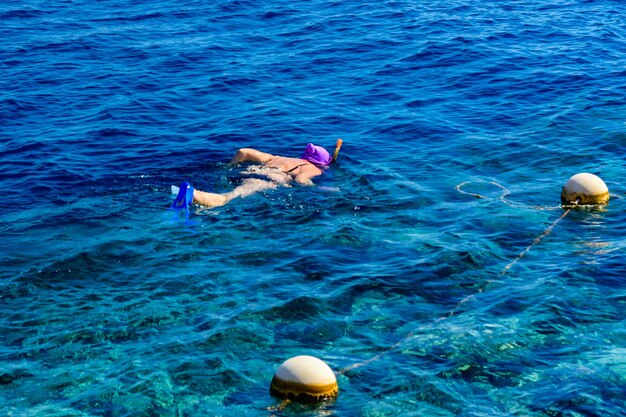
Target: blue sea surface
390 269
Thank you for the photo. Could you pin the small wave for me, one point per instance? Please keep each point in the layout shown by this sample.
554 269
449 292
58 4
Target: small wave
108 132
135 18
22 14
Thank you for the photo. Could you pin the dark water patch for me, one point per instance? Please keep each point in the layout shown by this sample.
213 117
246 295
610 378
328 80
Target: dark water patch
348 236
27 150
235 337
23 14
85 268
13 376
432 393
315 335
273 14
230 83
139 17
108 133
258 258
234 5
300 308
206 376
308 266
12 107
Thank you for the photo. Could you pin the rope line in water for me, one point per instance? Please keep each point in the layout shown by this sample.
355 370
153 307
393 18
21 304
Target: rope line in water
523 253
484 286
503 197
279 407
535 242
506 192
376 357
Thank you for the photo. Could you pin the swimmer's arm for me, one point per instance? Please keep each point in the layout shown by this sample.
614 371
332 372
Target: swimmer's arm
250 155
304 178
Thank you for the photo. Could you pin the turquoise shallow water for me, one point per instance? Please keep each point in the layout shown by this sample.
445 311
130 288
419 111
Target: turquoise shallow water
112 306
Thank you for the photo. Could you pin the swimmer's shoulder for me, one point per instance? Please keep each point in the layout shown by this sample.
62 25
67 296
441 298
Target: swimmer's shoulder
283 162
305 173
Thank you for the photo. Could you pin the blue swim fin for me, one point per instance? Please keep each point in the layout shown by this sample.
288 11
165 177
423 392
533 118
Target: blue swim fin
184 197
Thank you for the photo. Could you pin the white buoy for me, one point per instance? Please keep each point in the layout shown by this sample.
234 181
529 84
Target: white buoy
304 378
585 189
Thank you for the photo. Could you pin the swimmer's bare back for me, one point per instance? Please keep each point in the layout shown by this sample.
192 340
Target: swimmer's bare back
301 170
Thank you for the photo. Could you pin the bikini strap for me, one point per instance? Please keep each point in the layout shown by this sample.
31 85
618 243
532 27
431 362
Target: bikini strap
296 167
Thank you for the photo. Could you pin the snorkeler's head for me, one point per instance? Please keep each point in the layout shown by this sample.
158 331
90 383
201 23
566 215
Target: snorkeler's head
316 155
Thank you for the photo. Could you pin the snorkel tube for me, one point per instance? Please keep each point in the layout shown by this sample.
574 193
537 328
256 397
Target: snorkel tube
337 148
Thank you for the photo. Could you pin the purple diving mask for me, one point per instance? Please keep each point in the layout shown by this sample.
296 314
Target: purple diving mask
316 155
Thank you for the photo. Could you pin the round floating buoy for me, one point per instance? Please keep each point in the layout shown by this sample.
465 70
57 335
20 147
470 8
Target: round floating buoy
585 189
304 378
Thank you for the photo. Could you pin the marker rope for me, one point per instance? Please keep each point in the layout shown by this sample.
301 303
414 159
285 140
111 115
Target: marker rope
523 253
503 197
484 286
279 407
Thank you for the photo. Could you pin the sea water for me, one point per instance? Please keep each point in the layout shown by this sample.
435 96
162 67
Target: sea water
112 305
